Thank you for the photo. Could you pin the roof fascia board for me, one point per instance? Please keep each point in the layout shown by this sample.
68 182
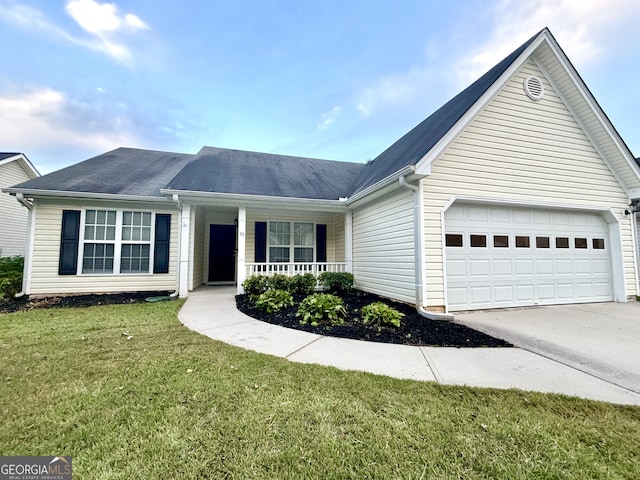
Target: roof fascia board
26 164
85 195
594 106
389 179
236 199
424 164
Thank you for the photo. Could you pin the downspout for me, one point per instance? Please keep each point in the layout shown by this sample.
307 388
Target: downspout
26 270
418 231
178 203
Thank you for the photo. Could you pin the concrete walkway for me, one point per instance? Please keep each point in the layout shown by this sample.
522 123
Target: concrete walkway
211 311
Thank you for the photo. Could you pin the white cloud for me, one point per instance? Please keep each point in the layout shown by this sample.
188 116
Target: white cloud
98 18
101 21
327 118
582 27
41 119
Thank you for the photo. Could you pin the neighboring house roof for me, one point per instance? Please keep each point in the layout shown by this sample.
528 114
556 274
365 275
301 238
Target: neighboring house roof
123 171
419 140
218 170
5 155
27 166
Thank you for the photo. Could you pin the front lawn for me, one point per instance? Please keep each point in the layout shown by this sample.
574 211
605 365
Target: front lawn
130 393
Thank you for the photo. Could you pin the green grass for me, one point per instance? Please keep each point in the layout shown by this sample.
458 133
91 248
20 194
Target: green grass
169 403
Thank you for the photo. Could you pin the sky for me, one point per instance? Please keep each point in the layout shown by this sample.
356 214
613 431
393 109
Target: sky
333 79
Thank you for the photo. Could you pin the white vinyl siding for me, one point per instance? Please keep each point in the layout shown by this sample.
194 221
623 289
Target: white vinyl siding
524 150
44 277
13 216
383 247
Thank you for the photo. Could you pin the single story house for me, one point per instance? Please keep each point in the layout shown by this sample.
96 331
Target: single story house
14 168
518 191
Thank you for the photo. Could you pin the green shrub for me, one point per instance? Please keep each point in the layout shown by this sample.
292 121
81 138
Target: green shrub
379 313
11 269
336 282
322 308
304 284
255 285
273 301
279 282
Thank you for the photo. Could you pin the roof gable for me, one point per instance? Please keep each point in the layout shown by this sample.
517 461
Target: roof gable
217 170
22 160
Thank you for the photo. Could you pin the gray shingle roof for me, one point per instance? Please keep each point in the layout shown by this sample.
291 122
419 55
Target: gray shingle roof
5 155
251 173
124 171
417 142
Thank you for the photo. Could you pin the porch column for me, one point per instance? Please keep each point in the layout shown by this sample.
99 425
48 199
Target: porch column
242 239
348 240
185 241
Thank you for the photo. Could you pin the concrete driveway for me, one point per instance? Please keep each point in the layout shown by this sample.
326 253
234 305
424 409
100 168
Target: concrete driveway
601 339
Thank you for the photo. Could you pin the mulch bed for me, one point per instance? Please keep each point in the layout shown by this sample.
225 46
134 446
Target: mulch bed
414 328
25 303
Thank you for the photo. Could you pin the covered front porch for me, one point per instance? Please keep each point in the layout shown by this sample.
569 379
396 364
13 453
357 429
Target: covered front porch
223 244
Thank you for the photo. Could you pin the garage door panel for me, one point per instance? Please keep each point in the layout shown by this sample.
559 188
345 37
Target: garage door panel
548 269
456 268
546 291
481 295
525 294
544 266
584 290
504 293
600 266
524 267
566 291
502 267
564 267
583 266
479 268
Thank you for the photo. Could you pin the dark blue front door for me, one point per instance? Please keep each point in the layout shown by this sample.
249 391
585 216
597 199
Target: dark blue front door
222 253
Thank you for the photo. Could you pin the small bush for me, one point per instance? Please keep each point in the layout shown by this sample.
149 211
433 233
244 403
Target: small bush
255 285
279 282
11 269
322 308
273 301
336 282
379 313
304 284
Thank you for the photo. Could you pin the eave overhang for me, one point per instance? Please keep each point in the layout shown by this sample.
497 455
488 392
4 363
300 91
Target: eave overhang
247 200
34 193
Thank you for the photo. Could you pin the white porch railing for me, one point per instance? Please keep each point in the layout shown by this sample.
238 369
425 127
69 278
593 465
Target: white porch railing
291 269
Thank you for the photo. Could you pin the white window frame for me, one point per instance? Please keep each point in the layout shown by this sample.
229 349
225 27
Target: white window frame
117 243
291 245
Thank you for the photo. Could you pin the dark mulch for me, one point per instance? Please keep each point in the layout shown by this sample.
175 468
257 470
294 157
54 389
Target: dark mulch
414 328
25 303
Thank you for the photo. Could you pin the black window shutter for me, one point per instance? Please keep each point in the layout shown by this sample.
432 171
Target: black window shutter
261 242
161 245
321 243
69 241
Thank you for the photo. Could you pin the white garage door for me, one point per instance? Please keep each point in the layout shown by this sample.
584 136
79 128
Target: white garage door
506 257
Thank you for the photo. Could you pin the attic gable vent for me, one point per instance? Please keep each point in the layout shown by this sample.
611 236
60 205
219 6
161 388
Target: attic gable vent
534 87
